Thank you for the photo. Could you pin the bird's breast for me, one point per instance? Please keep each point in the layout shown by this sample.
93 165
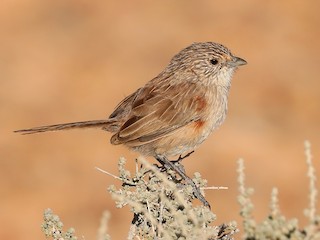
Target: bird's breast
212 112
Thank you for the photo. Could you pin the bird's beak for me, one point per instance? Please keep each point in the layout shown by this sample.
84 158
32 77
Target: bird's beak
236 62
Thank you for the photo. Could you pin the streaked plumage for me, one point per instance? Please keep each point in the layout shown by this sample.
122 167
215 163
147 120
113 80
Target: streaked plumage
177 110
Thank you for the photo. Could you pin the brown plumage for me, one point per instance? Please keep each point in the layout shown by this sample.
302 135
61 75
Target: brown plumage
174 112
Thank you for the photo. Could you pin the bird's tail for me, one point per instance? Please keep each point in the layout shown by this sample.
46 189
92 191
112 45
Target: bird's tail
107 125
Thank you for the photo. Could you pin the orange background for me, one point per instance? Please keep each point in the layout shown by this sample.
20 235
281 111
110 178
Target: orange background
63 61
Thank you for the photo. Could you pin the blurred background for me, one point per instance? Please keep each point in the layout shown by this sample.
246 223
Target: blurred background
63 61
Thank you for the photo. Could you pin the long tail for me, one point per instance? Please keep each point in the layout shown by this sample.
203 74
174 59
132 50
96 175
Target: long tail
104 124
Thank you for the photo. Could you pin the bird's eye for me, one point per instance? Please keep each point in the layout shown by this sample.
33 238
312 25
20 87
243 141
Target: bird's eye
214 61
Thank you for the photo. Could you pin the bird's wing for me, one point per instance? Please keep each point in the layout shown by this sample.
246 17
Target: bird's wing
125 106
157 112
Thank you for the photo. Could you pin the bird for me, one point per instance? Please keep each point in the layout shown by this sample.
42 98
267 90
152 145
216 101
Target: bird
173 113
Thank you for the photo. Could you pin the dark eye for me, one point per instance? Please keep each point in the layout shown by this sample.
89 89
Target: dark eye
214 61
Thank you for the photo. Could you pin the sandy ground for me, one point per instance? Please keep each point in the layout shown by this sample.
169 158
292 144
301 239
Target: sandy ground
64 61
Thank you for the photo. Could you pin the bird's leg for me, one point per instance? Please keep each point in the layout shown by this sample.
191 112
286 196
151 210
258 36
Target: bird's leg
170 165
182 157
179 160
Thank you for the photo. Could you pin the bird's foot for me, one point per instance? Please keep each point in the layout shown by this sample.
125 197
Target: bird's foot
181 172
182 157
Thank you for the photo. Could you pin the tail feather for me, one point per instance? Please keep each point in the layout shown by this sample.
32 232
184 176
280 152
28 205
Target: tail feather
105 124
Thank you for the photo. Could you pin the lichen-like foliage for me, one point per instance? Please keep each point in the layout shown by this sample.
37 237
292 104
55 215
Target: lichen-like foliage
163 206
52 227
276 226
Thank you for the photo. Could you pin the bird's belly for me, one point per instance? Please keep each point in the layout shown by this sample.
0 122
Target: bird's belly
179 142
